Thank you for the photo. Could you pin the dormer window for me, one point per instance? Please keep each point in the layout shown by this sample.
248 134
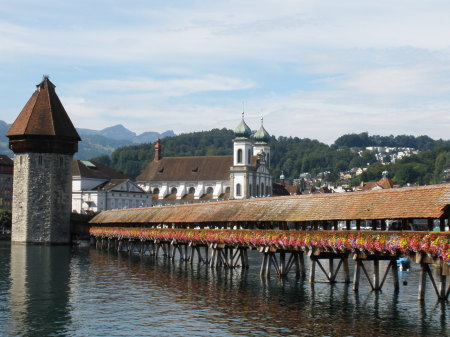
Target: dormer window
195 169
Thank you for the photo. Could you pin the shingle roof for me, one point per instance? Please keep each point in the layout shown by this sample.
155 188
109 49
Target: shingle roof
5 160
43 115
97 171
110 185
412 202
188 169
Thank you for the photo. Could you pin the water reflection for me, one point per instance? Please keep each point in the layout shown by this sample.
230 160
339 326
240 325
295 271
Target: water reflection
39 290
85 292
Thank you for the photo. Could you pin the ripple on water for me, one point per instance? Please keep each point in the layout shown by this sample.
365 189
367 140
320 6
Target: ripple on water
85 292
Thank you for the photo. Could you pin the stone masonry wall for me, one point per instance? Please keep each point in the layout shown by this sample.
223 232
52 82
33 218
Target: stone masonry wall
42 198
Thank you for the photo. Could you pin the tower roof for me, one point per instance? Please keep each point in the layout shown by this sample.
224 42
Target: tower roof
243 130
44 115
261 136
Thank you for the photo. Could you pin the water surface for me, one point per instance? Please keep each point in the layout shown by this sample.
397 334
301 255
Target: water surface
69 291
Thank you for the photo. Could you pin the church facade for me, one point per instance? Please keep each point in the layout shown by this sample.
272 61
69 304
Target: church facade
245 174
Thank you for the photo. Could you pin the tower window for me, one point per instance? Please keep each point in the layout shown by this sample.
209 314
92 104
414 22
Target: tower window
249 156
238 190
239 156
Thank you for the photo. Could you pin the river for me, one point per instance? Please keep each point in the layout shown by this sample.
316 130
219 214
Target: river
74 291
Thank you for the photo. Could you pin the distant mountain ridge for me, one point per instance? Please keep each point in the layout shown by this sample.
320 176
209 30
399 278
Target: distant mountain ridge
119 132
97 142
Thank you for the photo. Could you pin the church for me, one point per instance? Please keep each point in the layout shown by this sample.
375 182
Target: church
245 174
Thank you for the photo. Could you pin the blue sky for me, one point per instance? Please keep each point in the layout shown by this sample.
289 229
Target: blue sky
315 69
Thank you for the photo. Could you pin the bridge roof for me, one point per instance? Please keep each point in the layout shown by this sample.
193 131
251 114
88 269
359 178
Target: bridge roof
412 202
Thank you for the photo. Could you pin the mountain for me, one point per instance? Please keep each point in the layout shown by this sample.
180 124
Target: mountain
97 142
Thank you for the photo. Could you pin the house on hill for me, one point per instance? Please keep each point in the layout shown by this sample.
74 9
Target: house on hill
245 174
96 187
381 184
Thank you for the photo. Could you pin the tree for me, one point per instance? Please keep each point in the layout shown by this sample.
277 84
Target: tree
5 220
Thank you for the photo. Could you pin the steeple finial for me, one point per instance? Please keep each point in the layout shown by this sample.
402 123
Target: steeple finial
243 109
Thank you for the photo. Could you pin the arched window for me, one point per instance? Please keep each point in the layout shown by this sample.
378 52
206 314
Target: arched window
173 190
239 156
238 190
262 189
268 160
257 190
227 190
156 190
209 190
250 189
249 158
191 190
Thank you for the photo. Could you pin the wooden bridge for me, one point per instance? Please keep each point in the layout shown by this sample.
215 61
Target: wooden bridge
286 229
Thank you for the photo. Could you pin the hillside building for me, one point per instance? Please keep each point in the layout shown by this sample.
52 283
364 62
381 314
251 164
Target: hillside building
6 182
245 174
96 187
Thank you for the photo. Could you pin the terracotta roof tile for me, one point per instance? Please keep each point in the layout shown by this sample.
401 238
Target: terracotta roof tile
43 115
413 202
188 169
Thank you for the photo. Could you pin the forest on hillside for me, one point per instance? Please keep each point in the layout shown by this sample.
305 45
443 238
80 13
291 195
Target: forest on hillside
292 155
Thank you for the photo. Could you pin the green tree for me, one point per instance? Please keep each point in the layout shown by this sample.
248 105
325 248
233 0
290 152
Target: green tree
5 219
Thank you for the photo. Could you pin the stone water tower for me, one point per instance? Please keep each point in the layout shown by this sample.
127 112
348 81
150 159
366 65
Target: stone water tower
43 140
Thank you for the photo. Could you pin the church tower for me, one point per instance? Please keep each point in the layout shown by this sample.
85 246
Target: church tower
242 160
261 149
43 140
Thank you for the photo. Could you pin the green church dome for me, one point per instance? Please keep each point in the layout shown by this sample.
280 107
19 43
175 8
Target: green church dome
243 130
261 136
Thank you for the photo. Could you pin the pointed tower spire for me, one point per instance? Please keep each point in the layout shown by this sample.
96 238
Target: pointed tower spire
43 117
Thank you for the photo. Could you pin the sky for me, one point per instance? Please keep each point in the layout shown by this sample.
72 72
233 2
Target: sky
312 68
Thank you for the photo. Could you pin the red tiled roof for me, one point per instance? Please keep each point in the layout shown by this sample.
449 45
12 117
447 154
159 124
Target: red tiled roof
412 202
43 115
188 169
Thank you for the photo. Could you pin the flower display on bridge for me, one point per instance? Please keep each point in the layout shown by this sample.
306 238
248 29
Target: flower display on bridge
437 245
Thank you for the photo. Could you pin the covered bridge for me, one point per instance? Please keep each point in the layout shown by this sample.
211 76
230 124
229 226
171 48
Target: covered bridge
299 212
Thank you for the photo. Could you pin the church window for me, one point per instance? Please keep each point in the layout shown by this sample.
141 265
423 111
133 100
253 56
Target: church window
238 190
268 159
227 190
239 156
250 189
191 190
262 189
209 190
249 156
156 190
257 190
173 190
